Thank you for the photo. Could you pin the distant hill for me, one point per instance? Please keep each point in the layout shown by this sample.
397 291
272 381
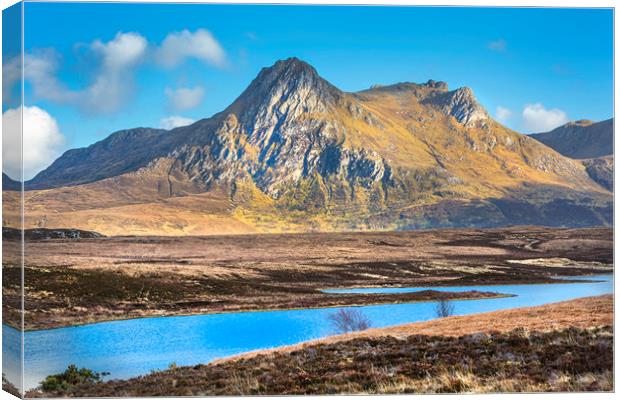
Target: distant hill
591 142
10 184
295 153
581 139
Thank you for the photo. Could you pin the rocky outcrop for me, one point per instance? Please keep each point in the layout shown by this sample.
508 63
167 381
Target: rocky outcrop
601 170
280 131
47 234
460 104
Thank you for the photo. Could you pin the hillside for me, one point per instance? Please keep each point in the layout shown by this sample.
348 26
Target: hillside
10 184
294 153
601 170
591 142
581 139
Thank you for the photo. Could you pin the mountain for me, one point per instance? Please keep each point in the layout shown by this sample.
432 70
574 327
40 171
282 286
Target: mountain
295 153
581 139
10 184
591 142
121 152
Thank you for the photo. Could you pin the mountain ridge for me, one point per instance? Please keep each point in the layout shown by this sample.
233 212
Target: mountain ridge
581 139
287 73
295 153
588 141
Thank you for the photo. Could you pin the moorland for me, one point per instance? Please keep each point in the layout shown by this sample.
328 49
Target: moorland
73 281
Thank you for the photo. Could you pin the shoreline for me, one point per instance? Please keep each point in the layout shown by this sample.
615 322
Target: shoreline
581 324
432 288
75 283
407 328
497 296
552 281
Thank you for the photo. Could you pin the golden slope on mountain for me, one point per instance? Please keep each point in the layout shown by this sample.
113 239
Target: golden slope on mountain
395 157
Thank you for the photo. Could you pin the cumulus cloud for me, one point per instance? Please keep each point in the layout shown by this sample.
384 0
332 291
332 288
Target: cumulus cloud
40 69
112 80
175 121
42 141
184 98
125 50
502 113
536 118
112 83
201 45
498 45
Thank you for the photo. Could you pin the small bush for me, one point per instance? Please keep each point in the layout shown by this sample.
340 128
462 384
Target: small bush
72 376
345 321
444 308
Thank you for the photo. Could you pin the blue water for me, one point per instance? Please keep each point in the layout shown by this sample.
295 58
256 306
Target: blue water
135 347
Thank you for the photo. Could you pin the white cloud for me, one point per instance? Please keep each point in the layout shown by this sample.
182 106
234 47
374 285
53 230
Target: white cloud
536 118
40 70
125 50
113 81
11 74
201 45
174 122
502 113
185 98
42 141
498 45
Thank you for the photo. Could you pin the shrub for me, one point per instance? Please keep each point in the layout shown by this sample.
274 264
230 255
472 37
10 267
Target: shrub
349 320
72 376
444 308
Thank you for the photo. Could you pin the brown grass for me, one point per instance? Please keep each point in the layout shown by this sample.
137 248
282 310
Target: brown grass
88 280
580 313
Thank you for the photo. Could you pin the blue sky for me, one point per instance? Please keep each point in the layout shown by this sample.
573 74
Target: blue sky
116 66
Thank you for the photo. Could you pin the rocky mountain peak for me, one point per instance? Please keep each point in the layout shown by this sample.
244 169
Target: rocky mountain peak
293 65
460 104
289 72
441 85
275 132
288 85
292 147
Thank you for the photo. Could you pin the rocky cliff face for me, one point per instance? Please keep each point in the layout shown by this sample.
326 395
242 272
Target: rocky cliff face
296 151
460 104
601 170
282 130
